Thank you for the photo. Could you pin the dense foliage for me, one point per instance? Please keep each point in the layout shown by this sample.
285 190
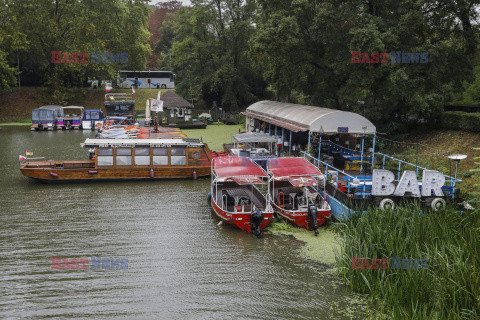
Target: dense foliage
36 28
209 44
222 48
449 286
233 52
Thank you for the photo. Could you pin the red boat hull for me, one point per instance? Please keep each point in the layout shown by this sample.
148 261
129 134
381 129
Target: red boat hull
300 218
240 220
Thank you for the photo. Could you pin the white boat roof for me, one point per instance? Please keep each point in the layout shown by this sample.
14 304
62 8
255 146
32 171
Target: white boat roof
142 142
298 117
252 137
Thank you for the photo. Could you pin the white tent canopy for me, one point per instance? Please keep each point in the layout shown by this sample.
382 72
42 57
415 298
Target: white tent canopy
254 137
297 117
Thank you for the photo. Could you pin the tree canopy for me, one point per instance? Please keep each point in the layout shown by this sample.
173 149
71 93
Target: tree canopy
234 52
40 27
301 50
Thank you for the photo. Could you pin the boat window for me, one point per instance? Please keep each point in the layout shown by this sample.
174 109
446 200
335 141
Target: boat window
124 160
179 160
172 113
142 160
160 152
142 151
160 160
124 152
87 115
105 160
42 115
105 152
178 151
94 115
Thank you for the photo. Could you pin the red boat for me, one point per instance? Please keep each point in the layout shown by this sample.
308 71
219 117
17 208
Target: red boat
235 196
293 192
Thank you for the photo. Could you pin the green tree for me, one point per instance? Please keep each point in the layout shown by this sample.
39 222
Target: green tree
305 46
81 26
209 44
12 42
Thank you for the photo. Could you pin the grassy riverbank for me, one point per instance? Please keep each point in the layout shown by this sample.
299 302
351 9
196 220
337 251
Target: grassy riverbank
9 124
16 104
215 135
449 288
319 248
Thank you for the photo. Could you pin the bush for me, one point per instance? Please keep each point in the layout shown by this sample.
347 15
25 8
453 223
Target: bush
448 289
458 120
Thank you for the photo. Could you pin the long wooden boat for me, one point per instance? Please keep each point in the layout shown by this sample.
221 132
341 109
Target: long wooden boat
128 159
294 195
235 197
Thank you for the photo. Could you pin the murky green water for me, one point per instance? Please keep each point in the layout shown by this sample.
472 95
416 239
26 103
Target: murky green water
181 263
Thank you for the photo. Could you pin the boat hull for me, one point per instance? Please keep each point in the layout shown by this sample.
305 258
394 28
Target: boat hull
52 175
240 220
300 218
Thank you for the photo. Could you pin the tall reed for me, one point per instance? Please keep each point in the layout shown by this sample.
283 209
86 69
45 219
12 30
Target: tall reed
449 288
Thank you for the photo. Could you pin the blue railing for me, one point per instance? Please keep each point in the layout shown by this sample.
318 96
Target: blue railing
451 180
365 189
317 162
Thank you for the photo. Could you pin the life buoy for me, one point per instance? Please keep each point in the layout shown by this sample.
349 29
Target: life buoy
386 204
437 204
98 125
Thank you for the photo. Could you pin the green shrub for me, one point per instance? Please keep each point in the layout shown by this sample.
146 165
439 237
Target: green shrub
448 289
458 120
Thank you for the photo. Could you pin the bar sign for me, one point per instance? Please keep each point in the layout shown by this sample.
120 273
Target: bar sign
342 129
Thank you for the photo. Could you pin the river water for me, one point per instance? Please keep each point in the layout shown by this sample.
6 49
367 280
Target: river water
181 263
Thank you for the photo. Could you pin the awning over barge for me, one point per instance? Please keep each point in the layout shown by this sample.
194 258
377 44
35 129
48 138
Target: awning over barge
292 167
239 168
254 137
300 118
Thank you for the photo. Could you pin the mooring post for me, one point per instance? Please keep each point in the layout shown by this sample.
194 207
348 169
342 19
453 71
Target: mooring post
308 148
361 155
373 150
416 161
290 142
319 145
399 166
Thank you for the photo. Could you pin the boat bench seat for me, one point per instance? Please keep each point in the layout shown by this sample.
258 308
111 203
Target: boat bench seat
244 193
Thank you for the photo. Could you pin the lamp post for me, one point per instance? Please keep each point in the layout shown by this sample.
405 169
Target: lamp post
456 158
363 144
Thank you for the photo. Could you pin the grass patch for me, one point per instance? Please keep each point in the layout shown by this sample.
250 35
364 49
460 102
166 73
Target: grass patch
215 135
448 289
281 225
17 104
8 124
319 248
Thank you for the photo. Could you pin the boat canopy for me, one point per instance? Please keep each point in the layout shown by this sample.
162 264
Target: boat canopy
50 112
288 167
165 143
302 118
254 137
242 170
93 114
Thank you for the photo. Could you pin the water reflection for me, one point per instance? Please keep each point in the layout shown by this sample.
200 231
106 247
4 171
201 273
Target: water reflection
181 263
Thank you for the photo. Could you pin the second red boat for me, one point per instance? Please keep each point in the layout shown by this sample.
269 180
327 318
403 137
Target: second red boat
235 196
294 195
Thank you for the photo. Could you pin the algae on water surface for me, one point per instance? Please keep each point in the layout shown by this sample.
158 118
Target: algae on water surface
319 248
